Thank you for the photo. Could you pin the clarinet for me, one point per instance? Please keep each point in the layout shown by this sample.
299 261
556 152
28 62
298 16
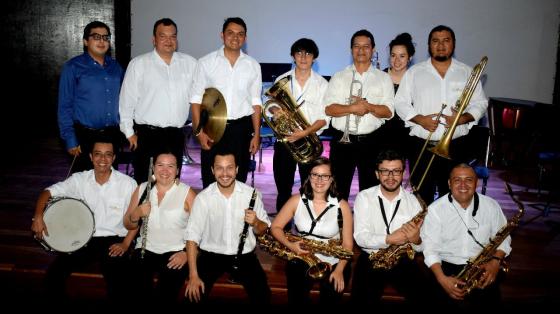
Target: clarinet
145 219
243 235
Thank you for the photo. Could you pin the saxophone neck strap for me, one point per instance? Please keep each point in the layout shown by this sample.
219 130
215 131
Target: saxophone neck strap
388 224
314 220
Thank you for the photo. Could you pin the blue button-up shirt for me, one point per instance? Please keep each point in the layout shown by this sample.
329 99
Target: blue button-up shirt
88 94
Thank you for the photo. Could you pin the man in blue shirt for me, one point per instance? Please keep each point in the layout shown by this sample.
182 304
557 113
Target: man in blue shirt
88 100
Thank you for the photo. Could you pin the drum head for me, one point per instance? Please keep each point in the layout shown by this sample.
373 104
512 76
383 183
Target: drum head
70 224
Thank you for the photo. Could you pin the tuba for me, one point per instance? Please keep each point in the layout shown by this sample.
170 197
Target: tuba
303 150
473 270
316 268
388 257
442 147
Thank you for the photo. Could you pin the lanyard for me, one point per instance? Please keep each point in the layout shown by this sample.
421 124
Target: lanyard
384 215
292 87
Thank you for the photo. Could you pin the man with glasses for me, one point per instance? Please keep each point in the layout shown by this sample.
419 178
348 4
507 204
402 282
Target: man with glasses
359 99
382 217
88 97
154 100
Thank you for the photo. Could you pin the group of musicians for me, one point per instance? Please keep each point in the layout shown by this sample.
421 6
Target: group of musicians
354 104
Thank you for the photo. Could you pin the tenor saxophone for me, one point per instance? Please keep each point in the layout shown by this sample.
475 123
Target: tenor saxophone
473 271
388 257
316 268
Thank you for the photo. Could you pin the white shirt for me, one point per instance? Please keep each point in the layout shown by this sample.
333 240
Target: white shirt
326 227
240 84
369 227
310 96
216 221
156 93
167 221
423 91
377 88
108 202
445 234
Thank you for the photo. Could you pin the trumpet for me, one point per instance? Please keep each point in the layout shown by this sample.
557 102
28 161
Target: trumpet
345 139
442 147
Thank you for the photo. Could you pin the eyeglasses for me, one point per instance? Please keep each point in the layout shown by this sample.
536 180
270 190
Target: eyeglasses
387 172
320 177
99 37
302 53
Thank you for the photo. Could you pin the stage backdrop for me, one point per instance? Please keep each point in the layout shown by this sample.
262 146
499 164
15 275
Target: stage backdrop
519 37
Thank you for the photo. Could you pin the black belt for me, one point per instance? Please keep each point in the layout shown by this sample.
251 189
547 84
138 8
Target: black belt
238 121
87 128
353 137
154 128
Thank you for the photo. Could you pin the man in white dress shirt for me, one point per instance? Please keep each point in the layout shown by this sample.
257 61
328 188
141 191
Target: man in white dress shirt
367 111
423 89
213 235
456 228
382 217
238 77
107 193
154 100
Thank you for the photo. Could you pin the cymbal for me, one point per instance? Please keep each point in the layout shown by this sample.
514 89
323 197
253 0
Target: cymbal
214 104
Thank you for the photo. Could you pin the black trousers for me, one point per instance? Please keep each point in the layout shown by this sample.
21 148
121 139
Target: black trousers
438 174
284 167
394 135
236 139
487 300
115 270
88 136
153 141
165 293
407 277
211 266
300 284
345 158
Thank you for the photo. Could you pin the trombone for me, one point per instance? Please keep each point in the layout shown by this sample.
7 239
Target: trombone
442 147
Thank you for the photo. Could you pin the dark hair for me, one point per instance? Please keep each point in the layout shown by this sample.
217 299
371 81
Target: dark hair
362 32
441 28
235 20
403 39
389 155
166 22
464 166
305 44
224 152
306 187
95 24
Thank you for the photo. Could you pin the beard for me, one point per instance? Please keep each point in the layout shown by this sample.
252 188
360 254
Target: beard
225 186
390 189
441 58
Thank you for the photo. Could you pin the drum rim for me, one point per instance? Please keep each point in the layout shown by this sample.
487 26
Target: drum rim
50 203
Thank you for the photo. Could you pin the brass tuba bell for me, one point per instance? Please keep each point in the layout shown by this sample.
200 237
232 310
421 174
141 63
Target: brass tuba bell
303 150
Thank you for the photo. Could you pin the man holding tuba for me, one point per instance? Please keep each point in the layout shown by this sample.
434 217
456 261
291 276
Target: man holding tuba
307 88
424 88
359 99
383 218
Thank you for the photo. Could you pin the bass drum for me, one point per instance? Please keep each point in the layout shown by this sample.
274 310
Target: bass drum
70 223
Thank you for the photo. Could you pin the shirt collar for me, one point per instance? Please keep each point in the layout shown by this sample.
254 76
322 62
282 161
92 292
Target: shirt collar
397 198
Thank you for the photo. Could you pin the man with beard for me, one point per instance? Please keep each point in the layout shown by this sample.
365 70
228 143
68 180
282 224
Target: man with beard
382 217
219 216
424 88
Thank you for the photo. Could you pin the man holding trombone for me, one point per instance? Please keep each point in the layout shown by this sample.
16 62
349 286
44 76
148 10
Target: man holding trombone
425 101
359 99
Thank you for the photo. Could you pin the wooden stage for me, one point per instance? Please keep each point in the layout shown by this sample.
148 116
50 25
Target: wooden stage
534 263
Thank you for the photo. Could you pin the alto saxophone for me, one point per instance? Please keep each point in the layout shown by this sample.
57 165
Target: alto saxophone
316 268
474 269
388 257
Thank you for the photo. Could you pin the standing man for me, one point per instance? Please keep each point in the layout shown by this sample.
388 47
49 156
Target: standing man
107 193
218 218
364 95
382 217
238 77
307 88
154 100
457 227
429 84
88 97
